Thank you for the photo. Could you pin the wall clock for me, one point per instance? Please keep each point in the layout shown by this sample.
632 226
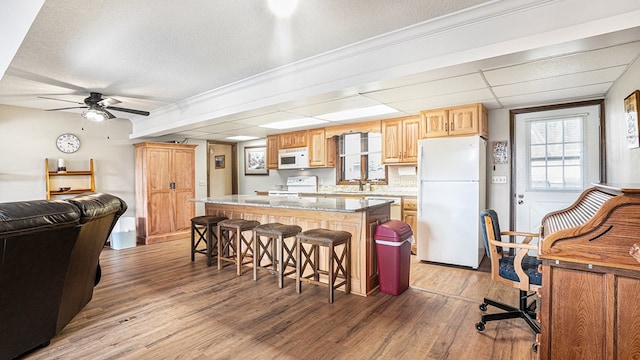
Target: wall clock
68 143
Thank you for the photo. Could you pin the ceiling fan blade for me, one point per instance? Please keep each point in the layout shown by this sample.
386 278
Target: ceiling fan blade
75 102
108 102
67 108
137 112
110 115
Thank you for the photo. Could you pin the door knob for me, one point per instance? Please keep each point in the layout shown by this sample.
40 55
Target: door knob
520 196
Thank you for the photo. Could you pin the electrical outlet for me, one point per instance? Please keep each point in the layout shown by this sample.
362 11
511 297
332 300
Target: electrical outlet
499 179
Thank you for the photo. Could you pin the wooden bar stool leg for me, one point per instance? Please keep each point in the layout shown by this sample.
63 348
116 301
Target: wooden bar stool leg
209 229
278 255
347 287
193 242
222 239
298 266
316 262
257 254
331 274
238 239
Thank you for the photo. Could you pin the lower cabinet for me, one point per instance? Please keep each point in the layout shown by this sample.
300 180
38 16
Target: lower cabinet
589 312
410 216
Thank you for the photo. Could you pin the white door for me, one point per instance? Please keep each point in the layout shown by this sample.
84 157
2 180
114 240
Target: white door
557 157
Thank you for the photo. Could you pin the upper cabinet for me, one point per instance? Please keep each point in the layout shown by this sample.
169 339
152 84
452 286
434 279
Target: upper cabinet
400 140
435 123
322 150
293 139
272 152
457 121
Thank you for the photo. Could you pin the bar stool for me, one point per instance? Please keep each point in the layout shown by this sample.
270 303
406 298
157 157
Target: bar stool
274 249
330 239
233 246
203 226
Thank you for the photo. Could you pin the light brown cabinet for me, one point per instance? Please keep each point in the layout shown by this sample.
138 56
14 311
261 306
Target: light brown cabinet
322 150
165 181
410 216
463 120
591 277
602 300
400 140
293 140
272 152
435 123
78 181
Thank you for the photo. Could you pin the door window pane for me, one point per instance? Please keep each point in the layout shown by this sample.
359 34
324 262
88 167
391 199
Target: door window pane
556 158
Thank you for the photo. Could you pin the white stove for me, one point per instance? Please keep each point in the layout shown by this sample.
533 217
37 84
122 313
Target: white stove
298 184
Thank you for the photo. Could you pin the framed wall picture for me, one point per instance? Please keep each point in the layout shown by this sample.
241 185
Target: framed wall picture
219 161
255 160
631 117
499 152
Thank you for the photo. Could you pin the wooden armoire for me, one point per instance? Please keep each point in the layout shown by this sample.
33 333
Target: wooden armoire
165 181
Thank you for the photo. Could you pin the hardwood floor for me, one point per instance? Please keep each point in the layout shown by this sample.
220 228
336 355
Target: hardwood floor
153 303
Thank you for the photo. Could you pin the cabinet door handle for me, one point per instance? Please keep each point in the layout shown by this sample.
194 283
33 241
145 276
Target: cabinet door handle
446 126
452 126
172 185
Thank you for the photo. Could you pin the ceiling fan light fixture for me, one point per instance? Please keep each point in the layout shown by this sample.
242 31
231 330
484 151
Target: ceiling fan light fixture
95 115
282 8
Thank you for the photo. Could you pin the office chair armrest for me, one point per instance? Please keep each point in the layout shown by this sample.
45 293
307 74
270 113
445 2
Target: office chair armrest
517 261
520 233
522 245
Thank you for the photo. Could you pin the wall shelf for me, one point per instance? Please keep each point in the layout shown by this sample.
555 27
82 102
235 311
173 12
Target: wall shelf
78 181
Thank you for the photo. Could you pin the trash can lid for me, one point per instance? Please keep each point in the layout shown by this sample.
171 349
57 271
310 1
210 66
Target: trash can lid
393 230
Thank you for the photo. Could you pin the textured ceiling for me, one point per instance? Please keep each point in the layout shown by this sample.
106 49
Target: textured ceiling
173 58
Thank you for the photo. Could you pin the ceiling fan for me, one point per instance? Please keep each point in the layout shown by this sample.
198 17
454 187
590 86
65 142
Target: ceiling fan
97 107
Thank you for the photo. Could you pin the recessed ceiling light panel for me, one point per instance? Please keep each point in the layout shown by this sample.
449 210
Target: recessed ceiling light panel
293 123
242 138
358 113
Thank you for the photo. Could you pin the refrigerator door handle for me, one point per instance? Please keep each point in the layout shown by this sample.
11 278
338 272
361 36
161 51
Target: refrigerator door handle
420 147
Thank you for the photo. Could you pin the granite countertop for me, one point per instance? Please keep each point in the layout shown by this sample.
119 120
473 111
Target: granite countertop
390 193
331 204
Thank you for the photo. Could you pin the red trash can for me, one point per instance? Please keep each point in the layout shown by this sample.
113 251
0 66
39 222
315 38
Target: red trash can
393 248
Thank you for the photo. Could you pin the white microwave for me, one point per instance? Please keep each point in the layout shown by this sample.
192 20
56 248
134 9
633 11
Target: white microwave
297 158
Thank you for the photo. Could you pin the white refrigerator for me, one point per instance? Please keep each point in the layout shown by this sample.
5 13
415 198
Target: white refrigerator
451 194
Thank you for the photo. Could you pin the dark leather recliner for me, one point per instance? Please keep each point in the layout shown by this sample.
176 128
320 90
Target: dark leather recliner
49 252
98 216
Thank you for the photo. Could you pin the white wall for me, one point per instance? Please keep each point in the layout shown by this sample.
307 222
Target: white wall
28 136
498 194
247 185
623 164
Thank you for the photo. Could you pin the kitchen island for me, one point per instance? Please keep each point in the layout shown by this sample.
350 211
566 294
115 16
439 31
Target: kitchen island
357 216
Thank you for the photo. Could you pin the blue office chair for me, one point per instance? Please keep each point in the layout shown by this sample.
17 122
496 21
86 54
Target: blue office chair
519 271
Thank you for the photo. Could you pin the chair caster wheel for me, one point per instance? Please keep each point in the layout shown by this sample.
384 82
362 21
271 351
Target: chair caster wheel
534 347
483 307
480 326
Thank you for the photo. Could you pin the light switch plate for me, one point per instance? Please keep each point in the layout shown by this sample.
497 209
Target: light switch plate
501 179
